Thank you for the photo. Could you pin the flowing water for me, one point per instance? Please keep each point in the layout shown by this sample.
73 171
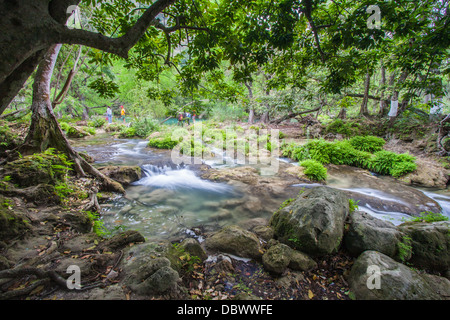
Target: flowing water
171 200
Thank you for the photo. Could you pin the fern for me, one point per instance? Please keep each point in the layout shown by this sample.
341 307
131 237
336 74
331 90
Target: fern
314 170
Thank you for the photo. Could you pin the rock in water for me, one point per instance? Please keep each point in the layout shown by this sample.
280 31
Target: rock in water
314 222
123 174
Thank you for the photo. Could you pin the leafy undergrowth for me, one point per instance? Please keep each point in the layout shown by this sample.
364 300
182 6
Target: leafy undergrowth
363 152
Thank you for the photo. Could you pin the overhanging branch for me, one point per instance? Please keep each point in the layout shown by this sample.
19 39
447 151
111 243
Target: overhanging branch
119 46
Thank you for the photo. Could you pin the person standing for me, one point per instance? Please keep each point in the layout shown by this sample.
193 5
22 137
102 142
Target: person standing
122 113
109 114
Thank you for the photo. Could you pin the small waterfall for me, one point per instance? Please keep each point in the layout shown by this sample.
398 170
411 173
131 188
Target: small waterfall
178 178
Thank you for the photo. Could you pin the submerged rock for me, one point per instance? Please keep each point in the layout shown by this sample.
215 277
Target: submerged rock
314 222
381 194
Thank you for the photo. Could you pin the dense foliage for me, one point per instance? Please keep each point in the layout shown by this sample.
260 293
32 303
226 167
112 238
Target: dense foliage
353 153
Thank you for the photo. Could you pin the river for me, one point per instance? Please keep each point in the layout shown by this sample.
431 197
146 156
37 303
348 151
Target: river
171 200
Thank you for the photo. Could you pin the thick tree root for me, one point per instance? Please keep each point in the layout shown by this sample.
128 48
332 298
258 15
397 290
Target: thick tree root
44 276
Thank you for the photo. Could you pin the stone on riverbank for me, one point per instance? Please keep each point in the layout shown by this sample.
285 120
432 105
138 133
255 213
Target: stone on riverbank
280 256
314 222
430 244
236 241
148 272
366 232
390 280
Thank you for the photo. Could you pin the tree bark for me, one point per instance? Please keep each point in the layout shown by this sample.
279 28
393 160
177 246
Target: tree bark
364 109
293 115
383 104
251 113
45 132
30 27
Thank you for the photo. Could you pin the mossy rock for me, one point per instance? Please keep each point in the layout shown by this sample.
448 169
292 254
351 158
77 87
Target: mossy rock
123 174
314 222
12 224
77 132
237 241
41 168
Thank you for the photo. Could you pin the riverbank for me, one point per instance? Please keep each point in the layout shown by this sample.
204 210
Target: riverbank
53 237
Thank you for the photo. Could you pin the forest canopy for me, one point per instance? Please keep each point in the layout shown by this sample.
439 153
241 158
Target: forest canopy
268 61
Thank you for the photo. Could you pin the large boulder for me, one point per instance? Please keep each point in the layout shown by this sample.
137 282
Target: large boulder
366 232
430 244
375 276
279 257
314 222
235 240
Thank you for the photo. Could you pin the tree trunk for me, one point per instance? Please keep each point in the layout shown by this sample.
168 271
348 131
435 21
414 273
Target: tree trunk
364 109
45 132
383 104
342 113
251 114
30 27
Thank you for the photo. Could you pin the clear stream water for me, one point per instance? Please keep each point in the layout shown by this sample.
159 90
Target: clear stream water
171 200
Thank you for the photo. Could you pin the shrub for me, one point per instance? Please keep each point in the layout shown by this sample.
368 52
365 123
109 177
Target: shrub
314 170
127 132
90 130
367 143
164 142
344 153
115 127
352 205
144 127
345 128
64 126
390 163
97 122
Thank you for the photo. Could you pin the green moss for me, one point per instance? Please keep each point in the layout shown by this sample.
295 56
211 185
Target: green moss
47 167
12 224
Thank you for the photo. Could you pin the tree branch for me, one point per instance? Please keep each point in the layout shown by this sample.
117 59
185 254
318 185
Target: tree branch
358 95
307 11
293 115
118 46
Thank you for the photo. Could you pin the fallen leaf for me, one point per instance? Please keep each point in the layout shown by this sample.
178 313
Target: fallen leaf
310 294
37 290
